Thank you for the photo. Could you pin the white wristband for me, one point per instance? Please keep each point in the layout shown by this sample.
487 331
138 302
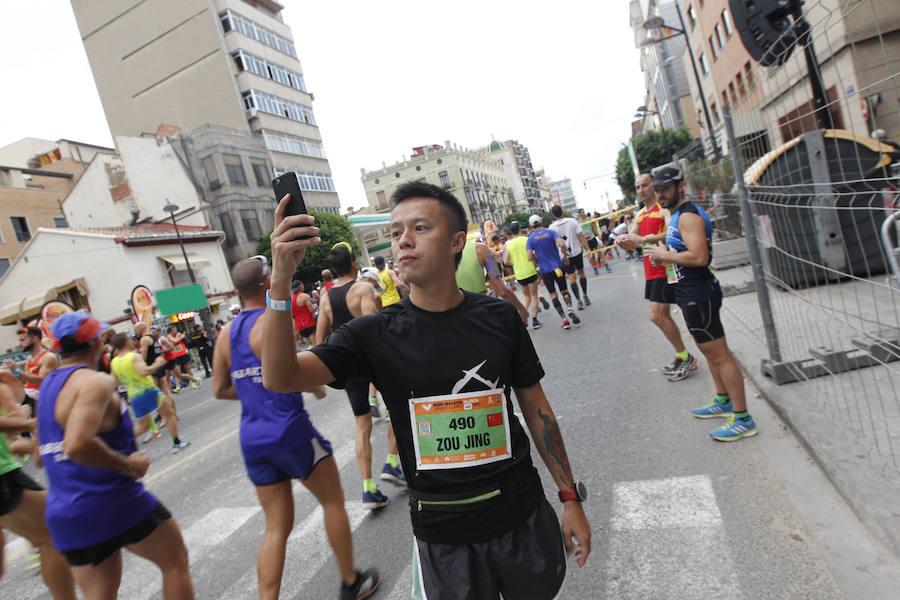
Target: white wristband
279 305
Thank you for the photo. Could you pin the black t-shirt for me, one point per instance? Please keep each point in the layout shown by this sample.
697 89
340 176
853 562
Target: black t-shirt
408 352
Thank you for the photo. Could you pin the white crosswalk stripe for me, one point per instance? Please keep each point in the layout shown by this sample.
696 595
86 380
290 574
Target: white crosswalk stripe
663 527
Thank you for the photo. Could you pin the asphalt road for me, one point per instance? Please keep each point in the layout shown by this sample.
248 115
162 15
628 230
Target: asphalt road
674 513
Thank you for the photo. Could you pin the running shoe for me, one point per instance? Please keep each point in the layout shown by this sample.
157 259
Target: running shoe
176 448
714 409
666 369
735 429
373 406
393 474
176 390
195 384
374 499
580 305
535 324
544 302
33 560
587 301
365 585
683 369
150 437
573 316
566 324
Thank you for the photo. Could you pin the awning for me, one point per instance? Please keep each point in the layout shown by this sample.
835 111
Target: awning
177 261
30 306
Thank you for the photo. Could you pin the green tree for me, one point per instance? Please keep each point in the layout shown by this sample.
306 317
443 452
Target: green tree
332 229
521 217
651 149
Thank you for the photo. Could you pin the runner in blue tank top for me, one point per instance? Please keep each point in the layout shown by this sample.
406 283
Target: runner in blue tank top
279 442
95 505
697 293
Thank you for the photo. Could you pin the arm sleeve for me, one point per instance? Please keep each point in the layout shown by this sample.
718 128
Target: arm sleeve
526 366
346 351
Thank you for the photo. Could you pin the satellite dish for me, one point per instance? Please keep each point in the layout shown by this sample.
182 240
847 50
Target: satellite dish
769 29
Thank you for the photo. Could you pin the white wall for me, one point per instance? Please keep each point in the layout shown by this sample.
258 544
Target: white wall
90 203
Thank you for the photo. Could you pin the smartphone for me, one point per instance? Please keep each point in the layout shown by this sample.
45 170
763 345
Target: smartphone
289 183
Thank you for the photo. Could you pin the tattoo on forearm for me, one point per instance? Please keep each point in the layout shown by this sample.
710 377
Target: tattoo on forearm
553 442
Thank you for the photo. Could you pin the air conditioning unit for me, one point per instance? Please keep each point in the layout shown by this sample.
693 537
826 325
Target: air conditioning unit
252 113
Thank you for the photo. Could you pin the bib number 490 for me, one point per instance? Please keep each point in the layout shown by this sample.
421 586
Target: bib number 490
462 423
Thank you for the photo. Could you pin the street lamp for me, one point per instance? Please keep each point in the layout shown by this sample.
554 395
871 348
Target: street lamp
172 208
655 22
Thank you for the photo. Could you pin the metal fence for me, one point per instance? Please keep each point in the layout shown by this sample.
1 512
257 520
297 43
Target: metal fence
813 217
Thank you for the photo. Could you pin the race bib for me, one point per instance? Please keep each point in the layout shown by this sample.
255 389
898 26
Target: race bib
460 430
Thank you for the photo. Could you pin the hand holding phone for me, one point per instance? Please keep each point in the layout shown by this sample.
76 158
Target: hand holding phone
289 183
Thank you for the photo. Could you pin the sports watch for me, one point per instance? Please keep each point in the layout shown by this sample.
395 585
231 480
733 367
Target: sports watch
576 492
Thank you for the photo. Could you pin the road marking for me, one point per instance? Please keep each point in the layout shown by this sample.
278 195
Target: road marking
192 455
402 589
668 541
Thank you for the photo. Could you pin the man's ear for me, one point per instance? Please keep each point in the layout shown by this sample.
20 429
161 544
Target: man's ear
458 242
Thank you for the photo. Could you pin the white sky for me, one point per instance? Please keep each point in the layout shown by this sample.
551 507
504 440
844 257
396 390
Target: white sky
561 77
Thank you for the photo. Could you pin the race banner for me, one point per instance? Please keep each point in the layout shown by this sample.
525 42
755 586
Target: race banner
143 304
51 311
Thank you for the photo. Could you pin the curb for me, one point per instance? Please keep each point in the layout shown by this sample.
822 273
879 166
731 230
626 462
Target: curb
864 480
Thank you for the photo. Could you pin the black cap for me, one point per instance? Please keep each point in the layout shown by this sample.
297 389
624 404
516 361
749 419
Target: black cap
514 227
665 174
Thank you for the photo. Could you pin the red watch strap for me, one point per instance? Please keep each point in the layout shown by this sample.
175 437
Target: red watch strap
568 495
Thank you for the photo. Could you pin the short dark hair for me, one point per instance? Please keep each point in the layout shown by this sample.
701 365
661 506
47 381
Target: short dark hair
453 210
556 209
295 285
120 340
32 331
514 227
379 262
340 259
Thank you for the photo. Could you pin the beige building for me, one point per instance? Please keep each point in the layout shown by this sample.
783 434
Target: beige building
477 181
190 63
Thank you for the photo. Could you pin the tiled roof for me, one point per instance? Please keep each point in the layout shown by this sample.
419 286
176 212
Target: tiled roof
149 231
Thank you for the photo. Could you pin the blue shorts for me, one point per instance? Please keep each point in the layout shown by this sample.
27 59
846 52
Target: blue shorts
145 403
296 464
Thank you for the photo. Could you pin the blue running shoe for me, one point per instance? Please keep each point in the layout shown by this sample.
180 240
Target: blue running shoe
393 474
535 324
714 409
735 429
374 500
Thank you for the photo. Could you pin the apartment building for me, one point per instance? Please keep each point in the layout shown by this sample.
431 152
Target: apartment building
189 63
520 174
562 189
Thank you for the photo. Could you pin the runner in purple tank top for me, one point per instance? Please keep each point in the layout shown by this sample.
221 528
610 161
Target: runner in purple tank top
96 505
279 442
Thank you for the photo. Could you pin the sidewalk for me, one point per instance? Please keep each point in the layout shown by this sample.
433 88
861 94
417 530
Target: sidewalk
850 422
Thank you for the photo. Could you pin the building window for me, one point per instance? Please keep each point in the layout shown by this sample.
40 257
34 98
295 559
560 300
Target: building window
264 68
232 21
311 181
228 228
20 227
278 106
212 176
719 37
261 172
251 225
715 112
724 97
734 97
713 48
445 179
692 16
4 266
726 21
748 69
292 146
60 222
704 64
234 169
740 84
380 200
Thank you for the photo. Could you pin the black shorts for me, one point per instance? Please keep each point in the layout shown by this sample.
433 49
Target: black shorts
96 554
550 279
358 393
528 280
308 332
183 359
576 263
702 318
12 484
527 562
592 243
659 290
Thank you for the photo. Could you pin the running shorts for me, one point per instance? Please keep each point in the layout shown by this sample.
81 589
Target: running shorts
576 263
659 290
183 359
296 464
528 280
145 403
550 279
702 318
12 485
592 243
527 562
308 332
358 394
96 554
